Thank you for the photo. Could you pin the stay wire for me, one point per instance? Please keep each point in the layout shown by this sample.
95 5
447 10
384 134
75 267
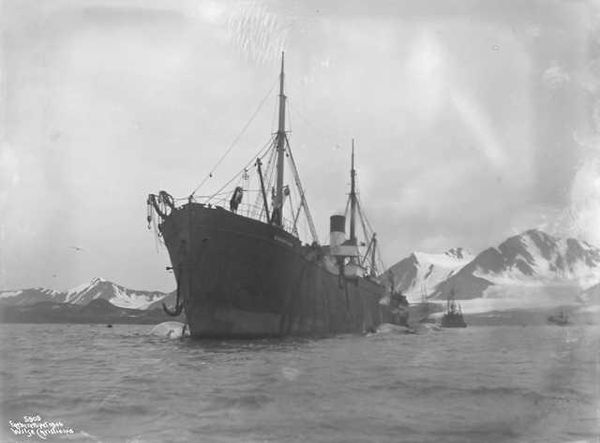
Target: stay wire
333 138
365 221
259 154
235 140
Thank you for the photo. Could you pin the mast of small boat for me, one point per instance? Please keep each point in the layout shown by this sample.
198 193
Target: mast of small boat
280 140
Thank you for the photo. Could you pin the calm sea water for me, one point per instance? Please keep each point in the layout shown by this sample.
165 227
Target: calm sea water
479 384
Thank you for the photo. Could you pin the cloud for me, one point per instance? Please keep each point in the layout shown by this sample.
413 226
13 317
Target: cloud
476 121
259 34
427 73
583 215
126 14
9 168
533 30
212 11
555 76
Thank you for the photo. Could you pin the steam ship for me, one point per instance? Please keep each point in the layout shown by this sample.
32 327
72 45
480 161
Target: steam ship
453 317
242 270
560 319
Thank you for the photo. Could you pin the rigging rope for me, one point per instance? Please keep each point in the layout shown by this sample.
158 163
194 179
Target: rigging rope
367 228
303 202
258 154
267 177
235 140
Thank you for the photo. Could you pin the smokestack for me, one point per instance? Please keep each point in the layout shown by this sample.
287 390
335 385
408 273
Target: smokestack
337 230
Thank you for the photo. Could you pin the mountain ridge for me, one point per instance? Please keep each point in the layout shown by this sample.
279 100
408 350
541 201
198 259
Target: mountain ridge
97 288
532 258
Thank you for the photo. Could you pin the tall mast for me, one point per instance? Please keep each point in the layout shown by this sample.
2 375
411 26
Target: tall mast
352 200
278 207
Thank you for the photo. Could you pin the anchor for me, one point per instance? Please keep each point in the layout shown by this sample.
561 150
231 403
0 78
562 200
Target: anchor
178 302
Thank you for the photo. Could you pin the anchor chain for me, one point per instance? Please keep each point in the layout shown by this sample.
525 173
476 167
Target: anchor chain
178 302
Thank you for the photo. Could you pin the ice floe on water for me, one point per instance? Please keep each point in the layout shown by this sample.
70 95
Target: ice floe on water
171 329
290 373
388 328
418 328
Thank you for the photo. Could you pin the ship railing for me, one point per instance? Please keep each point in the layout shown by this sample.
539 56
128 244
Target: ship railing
250 210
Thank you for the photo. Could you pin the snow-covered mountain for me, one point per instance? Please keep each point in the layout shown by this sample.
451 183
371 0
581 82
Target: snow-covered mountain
421 273
113 293
96 289
22 297
523 263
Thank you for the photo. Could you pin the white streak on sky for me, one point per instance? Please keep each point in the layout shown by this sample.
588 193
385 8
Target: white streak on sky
427 73
477 122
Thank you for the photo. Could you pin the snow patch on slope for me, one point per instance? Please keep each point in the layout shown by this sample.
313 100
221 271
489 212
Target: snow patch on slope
419 274
5 294
132 300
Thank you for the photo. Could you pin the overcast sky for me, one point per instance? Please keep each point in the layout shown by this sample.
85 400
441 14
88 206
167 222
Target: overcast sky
473 121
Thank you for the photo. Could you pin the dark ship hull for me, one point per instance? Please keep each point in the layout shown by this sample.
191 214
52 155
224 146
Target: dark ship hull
453 321
559 319
242 278
453 317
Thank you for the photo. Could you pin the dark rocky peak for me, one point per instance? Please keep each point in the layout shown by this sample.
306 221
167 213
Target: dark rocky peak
491 260
97 280
547 244
99 305
513 247
581 251
456 253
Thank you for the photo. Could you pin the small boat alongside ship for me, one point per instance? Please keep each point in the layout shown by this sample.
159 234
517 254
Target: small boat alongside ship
242 270
453 317
560 319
